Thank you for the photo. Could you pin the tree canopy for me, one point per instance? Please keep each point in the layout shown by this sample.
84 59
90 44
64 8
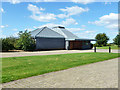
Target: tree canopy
102 39
25 41
8 43
117 39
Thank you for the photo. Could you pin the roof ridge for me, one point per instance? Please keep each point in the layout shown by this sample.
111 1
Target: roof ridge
50 30
70 33
40 30
63 34
57 32
54 31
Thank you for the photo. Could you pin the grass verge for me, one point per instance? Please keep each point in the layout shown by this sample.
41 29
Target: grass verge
107 47
14 68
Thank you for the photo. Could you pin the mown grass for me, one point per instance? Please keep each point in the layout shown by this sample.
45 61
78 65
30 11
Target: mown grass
107 47
14 68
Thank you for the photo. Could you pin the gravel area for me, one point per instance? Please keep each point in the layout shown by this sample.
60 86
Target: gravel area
97 75
19 54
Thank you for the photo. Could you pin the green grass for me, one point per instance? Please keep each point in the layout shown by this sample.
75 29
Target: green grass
15 68
107 47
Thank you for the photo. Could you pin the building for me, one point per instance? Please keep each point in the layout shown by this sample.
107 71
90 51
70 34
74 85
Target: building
59 38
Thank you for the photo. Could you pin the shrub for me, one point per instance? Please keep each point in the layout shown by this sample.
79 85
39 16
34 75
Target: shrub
108 44
97 45
8 43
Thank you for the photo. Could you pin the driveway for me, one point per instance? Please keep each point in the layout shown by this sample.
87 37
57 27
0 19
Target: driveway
97 75
19 54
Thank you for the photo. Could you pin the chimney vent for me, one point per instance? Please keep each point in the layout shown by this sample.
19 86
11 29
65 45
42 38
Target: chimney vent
59 27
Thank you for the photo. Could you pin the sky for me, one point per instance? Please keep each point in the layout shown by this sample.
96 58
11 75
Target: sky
84 19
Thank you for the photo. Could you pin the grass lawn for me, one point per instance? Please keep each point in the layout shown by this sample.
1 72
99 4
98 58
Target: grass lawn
22 67
107 47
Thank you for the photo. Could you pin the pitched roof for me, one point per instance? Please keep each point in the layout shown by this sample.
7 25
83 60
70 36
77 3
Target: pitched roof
55 32
45 32
67 34
35 32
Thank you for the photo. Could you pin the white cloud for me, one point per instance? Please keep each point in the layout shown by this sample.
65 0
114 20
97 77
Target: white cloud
3 26
15 29
69 21
44 17
14 1
42 9
40 16
90 34
109 21
74 10
112 26
15 34
83 1
75 29
83 26
50 25
3 36
34 9
62 15
2 10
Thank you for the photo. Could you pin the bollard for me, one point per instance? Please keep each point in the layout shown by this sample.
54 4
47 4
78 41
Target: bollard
109 49
94 49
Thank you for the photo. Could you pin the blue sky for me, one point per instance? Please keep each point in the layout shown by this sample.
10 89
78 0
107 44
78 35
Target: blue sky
84 20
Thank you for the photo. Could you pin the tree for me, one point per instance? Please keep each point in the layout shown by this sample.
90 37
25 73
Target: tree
117 39
8 43
102 39
25 41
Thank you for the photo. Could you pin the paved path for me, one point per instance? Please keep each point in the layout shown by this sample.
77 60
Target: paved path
18 54
97 75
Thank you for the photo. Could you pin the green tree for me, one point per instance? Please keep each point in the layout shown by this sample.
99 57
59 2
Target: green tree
8 43
102 39
25 41
117 39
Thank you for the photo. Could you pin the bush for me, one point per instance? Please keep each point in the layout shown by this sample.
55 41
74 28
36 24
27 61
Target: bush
97 45
108 44
8 43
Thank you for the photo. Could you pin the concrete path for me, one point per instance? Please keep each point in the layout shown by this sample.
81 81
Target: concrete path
97 75
19 54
